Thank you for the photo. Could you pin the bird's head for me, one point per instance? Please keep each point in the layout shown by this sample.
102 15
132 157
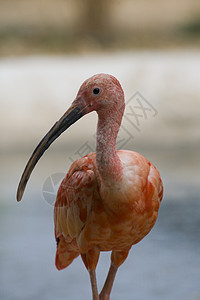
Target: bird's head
101 93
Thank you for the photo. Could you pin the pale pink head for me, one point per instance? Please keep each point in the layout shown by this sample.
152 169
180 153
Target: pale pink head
101 93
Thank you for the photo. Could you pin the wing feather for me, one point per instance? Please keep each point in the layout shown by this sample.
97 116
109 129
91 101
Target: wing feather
72 209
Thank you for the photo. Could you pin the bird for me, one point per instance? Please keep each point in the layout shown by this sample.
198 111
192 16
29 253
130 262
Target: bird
109 200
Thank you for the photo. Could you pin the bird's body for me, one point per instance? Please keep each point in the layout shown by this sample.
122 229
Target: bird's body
109 200
112 217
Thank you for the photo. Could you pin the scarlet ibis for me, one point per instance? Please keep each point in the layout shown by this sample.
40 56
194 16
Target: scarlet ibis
109 200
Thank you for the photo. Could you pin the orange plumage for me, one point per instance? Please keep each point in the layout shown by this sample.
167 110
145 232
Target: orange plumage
84 220
109 200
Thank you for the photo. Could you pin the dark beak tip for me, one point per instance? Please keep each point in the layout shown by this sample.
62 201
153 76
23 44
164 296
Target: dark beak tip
19 195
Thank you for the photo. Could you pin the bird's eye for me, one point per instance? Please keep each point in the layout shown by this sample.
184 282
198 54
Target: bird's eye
96 91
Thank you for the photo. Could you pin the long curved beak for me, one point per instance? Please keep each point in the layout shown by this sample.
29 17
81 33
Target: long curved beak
70 117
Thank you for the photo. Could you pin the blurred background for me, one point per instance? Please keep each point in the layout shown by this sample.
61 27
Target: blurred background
47 49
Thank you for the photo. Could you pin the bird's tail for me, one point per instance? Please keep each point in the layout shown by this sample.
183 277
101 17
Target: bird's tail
66 252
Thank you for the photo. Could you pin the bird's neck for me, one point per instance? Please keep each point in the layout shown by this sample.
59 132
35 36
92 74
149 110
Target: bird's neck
108 162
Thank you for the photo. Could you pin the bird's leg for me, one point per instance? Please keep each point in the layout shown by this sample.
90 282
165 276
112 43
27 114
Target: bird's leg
95 295
90 260
117 258
105 293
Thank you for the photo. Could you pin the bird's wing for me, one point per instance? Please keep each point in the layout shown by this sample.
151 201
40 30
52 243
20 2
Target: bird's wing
72 208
